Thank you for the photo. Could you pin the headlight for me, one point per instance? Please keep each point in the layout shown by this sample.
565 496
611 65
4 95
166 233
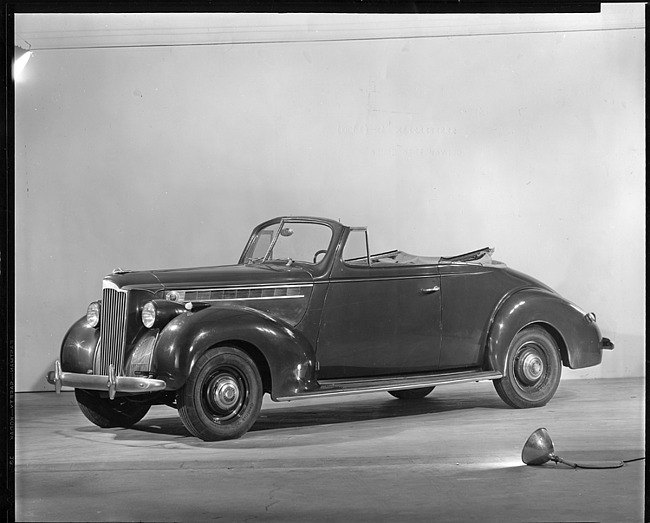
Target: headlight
93 313
149 315
158 313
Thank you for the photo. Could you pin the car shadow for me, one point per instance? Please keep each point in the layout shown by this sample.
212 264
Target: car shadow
335 412
316 417
371 409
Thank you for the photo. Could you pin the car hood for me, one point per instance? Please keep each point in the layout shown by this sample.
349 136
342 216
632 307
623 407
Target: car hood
208 277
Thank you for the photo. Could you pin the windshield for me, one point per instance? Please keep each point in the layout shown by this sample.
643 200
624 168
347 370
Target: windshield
289 242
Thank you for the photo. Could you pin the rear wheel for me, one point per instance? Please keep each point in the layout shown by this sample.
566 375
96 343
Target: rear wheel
106 413
411 394
222 396
533 369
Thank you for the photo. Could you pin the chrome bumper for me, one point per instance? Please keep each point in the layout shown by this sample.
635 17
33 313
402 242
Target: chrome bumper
110 383
606 344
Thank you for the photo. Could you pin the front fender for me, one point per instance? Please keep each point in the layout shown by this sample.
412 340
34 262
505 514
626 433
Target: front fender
579 339
289 356
78 347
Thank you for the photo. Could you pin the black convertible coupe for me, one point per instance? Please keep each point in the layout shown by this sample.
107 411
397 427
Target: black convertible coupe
307 312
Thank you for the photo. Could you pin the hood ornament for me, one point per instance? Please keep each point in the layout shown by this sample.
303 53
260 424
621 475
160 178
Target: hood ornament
121 271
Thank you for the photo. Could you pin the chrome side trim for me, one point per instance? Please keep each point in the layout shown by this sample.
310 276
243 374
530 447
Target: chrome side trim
383 278
366 385
259 292
256 299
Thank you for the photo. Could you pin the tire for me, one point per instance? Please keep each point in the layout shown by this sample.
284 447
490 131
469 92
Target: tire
411 394
533 370
106 413
222 396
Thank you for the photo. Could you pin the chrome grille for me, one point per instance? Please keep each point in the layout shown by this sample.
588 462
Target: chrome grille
112 331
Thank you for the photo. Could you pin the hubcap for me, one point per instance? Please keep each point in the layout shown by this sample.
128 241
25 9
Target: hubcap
225 392
530 366
224 396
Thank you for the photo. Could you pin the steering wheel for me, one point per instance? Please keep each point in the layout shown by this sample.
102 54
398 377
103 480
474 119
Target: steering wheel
322 251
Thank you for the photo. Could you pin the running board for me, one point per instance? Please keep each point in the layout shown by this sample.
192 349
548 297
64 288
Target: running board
361 385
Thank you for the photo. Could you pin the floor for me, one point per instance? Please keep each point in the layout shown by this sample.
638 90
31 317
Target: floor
454 456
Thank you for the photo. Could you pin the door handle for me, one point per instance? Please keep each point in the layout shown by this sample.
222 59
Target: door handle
430 290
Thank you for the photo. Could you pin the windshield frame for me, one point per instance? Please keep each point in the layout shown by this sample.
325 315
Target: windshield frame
248 259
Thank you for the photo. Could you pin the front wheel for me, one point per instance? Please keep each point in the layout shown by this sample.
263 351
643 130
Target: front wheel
107 413
533 370
222 396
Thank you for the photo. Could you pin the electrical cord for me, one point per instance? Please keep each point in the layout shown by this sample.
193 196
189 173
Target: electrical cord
635 459
596 464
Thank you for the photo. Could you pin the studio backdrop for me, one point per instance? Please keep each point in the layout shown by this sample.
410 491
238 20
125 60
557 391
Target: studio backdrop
160 141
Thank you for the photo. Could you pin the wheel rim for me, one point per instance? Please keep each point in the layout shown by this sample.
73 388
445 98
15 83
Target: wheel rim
224 395
530 365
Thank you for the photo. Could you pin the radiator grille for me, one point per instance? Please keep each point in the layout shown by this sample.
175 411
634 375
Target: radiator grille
112 331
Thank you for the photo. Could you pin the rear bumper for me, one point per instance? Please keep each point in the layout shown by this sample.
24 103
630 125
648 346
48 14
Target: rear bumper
606 344
111 383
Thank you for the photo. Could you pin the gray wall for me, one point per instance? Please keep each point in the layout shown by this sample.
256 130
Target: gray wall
165 157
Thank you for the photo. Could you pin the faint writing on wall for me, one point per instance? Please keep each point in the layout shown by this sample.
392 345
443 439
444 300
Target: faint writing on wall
398 151
409 141
396 130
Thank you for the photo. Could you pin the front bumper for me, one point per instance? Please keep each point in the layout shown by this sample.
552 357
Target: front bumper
606 344
110 383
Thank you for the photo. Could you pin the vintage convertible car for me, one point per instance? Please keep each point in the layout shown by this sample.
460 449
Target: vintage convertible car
309 312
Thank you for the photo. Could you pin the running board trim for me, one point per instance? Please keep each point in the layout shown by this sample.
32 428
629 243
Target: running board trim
362 385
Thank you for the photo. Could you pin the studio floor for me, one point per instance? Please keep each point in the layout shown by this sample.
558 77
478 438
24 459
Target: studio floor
454 456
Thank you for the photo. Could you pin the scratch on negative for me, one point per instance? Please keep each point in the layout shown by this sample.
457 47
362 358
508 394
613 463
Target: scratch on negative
273 502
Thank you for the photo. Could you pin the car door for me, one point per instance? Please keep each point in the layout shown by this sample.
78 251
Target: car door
379 320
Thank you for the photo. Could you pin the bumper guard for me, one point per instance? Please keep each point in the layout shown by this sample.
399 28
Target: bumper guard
111 383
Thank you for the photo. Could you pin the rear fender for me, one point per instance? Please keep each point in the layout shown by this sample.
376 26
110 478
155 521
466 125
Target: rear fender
289 357
577 338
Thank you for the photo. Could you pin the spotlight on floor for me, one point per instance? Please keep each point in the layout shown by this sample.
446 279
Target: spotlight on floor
539 449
